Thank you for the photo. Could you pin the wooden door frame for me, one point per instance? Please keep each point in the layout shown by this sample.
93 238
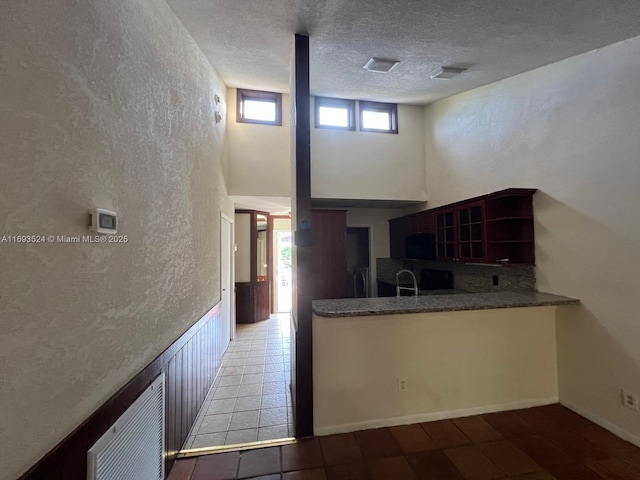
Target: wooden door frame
253 256
372 260
232 280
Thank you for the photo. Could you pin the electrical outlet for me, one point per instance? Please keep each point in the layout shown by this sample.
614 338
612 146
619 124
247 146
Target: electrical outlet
402 384
629 399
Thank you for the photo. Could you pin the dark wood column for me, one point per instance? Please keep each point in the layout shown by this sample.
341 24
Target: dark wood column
303 378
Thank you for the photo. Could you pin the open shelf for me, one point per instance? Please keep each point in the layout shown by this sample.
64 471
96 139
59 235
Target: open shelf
516 251
509 207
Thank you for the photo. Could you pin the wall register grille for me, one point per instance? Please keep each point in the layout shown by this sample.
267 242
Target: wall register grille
133 448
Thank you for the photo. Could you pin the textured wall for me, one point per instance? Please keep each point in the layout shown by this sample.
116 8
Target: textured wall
571 130
104 103
259 155
370 165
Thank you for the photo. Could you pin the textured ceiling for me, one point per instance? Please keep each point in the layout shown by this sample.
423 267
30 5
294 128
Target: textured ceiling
250 42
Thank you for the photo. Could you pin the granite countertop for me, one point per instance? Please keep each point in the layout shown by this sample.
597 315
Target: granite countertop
359 307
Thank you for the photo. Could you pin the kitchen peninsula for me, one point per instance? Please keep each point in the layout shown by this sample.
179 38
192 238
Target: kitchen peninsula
358 307
473 335
399 360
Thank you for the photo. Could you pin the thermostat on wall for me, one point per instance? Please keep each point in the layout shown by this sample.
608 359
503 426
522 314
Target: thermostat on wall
103 221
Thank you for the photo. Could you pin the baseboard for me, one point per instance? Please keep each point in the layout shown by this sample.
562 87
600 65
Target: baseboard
430 417
606 424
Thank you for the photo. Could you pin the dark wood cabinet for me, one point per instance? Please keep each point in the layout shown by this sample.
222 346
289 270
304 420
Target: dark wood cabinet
493 228
471 229
460 233
397 237
329 254
425 222
401 228
446 237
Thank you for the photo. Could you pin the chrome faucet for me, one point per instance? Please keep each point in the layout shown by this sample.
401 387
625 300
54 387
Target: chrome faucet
415 283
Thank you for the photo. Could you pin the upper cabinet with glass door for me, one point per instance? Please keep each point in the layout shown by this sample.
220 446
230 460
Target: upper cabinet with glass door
492 228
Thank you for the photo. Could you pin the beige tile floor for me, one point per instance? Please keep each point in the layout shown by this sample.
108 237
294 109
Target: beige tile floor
250 398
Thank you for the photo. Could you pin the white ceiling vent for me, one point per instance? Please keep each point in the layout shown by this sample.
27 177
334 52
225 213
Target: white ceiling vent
447 73
380 65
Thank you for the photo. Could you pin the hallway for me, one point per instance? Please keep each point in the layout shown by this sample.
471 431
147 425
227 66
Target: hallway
250 399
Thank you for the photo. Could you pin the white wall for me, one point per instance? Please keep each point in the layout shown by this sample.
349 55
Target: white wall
104 103
454 364
369 165
377 220
259 155
361 165
242 225
569 129
283 224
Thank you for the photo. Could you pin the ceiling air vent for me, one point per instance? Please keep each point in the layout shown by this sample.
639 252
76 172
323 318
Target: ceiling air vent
380 65
447 73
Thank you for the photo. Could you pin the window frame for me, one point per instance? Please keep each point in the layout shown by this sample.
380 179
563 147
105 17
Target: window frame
390 108
261 96
332 102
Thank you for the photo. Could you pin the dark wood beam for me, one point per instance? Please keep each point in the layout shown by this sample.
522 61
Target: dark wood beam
303 379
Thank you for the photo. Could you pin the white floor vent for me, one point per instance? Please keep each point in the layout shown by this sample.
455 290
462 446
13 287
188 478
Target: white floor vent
133 447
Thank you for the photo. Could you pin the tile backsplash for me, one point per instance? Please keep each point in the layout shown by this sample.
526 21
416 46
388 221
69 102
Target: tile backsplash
471 277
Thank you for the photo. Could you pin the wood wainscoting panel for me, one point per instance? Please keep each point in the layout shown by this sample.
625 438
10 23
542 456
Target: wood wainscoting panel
190 366
262 301
244 302
253 301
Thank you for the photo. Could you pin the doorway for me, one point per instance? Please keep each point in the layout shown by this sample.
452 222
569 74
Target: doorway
282 293
283 290
358 262
250 400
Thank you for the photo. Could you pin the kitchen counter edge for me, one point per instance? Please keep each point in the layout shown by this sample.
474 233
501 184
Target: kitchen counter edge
361 307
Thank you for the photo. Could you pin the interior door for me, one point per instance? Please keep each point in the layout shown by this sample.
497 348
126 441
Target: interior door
226 280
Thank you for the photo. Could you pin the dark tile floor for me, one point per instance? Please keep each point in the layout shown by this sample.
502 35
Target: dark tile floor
541 443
